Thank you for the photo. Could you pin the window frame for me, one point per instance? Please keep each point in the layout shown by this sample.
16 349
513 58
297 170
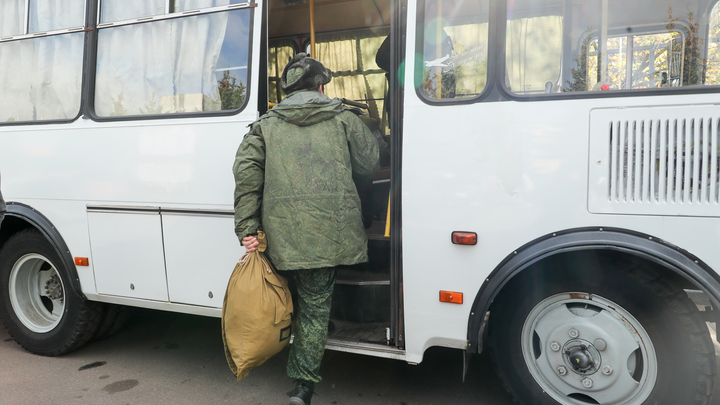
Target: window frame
89 96
648 92
272 44
620 34
26 25
83 65
491 84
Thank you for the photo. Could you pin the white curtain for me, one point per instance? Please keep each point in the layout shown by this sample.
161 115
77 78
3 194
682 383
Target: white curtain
351 58
41 77
184 5
165 66
48 15
118 10
12 14
534 53
44 80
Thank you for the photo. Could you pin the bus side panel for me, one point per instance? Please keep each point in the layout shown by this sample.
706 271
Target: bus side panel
60 170
512 172
201 253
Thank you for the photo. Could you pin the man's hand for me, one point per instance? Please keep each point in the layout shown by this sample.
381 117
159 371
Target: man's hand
250 243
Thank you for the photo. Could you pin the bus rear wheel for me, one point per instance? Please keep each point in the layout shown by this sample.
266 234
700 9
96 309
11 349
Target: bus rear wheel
37 305
114 317
628 339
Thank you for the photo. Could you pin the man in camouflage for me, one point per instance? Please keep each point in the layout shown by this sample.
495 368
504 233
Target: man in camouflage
294 179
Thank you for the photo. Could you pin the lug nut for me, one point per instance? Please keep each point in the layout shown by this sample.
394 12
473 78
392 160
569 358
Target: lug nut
574 333
555 346
562 371
607 370
600 344
587 383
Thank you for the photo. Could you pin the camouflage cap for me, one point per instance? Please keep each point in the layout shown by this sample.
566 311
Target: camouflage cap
304 73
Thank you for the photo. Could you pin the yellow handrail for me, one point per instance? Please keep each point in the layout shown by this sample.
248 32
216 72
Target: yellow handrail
387 220
312 29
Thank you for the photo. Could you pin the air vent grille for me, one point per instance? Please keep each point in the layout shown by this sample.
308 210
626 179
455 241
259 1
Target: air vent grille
664 161
655 161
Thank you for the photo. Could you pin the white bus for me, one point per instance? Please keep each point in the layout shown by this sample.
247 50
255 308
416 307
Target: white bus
550 192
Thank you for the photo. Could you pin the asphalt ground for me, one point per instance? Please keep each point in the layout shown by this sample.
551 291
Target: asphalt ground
168 358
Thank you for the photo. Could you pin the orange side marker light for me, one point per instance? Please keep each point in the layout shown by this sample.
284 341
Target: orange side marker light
464 238
451 297
82 261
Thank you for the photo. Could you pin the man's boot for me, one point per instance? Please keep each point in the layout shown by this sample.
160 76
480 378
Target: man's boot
302 393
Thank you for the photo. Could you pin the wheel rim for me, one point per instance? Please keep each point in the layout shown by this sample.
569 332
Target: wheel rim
584 349
37 293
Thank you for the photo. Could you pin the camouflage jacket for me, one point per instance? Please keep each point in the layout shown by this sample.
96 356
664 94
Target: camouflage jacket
294 176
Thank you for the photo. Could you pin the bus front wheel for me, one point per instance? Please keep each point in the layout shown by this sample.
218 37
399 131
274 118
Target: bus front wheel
37 305
627 338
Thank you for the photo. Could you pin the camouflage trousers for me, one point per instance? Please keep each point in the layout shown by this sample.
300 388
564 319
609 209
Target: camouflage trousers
314 291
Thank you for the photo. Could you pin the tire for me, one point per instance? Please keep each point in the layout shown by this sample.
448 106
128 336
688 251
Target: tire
114 317
609 337
37 305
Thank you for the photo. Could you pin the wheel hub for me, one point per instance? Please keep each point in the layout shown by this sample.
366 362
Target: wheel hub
36 293
563 338
582 357
53 288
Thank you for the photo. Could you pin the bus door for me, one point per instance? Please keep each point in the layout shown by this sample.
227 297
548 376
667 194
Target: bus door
361 49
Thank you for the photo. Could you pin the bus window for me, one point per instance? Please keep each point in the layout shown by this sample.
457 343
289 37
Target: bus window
44 73
558 46
656 61
279 55
712 75
118 10
12 15
534 47
181 65
454 49
49 15
185 5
